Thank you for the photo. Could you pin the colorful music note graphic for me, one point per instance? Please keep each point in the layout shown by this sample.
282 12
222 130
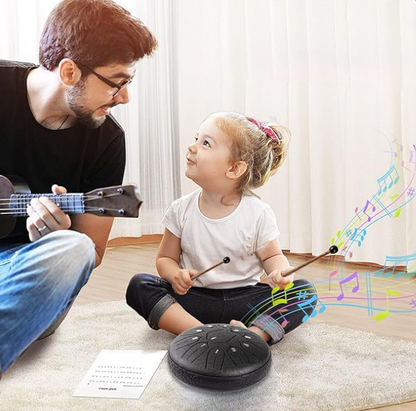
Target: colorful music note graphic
352 277
367 204
335 238
356 212
403 164
285 321
394 177
386 312
412 157
401 151
265 321
399 156
283 300
358 236
394 152
369 293
382 206
309 304
387 180
346 250
408 261
333 274
302 294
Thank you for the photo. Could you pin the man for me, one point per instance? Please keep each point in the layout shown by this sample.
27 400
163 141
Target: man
56 128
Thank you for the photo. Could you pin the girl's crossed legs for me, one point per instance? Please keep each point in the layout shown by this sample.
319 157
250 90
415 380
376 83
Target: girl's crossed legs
270 314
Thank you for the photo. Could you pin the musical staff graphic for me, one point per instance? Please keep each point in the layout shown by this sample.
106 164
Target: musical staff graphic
381 293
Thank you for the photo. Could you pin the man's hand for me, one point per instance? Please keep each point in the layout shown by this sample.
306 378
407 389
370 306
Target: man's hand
45 216
182 281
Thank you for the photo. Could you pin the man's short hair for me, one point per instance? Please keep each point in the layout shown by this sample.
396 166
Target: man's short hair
95 33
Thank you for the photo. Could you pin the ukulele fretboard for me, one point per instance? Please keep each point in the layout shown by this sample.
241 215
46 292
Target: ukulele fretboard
69 203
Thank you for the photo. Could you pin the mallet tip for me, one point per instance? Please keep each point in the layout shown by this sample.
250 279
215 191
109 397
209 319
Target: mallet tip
226 260
333 249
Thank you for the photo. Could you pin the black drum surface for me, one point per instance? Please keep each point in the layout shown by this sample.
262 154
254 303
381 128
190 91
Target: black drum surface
219 357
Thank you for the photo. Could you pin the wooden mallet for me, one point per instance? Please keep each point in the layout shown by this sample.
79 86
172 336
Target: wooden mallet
332 250
225 260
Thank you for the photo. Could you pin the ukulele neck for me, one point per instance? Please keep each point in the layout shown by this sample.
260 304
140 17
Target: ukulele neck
69 203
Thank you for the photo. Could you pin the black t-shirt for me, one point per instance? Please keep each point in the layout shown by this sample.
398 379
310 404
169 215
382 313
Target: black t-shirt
78 158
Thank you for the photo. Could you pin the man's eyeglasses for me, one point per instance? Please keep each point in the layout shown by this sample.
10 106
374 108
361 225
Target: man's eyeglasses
119 87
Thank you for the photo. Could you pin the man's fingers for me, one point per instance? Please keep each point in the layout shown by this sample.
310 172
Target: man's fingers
59 216
58 189
40 211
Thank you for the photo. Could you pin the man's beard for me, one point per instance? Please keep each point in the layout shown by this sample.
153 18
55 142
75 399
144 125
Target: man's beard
83 115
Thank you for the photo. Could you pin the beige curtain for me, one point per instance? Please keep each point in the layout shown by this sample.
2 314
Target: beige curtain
341 75
150 122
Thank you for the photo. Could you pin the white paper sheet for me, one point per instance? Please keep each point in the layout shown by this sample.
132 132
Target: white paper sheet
120 374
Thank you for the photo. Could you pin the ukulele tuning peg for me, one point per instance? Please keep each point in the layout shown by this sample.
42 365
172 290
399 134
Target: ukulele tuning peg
101 210
121 211
100 193
120 190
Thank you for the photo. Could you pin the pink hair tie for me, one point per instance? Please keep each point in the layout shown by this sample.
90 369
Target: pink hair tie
266 129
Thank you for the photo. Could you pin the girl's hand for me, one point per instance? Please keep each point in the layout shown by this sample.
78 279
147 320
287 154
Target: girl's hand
276 280
182 281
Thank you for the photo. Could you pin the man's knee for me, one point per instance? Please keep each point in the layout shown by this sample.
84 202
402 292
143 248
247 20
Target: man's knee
71 249
76 245
68 257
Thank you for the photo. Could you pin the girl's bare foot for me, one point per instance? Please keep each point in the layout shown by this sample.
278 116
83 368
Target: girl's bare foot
237 323
257 330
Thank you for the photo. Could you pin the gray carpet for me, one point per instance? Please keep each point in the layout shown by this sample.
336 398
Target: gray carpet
317 367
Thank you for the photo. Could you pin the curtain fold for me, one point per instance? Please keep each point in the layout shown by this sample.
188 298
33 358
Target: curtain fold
150 122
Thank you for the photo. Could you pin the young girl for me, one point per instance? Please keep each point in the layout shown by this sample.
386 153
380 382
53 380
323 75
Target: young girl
231 155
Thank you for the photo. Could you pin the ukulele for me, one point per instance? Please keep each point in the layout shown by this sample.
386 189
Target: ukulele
115 201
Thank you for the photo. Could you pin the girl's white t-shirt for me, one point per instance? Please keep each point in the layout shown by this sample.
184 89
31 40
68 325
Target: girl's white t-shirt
206 241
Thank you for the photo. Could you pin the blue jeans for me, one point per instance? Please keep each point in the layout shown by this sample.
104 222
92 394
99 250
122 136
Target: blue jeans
38 281
276 314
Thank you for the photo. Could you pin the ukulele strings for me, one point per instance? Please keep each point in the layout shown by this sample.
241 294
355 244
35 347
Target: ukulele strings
14 211
22 208
85 197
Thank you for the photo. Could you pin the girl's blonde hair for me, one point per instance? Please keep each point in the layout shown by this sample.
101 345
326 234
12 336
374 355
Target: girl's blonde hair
249 143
